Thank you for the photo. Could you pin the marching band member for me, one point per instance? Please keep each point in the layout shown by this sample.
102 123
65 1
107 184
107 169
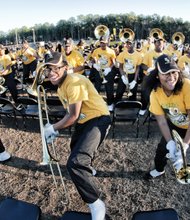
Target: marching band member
148 64
104 61
74 57
129 62
170 103
184 63
173 52
88 111
6 72
4 155
29 58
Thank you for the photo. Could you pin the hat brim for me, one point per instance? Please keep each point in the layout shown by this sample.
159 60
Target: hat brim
167 71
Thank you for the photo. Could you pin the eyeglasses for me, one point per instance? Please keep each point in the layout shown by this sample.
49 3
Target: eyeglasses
54 69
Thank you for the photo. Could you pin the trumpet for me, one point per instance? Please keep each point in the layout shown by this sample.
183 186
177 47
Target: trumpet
47 157
183 175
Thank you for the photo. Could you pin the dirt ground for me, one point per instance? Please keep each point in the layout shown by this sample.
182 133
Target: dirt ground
120 163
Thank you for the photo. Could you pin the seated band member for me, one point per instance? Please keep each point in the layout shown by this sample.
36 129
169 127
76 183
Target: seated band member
88 111
4 155
170 103
103 73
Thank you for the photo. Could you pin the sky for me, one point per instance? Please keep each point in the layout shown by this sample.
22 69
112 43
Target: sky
19 13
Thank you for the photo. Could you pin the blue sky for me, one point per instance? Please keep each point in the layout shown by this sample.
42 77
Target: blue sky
18 13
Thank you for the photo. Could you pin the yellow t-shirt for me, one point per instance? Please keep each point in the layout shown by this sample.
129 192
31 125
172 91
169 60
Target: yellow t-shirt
174 54
150 58
75 59
26 57
104 57
5 61
78 88
130 61
174 107
184 62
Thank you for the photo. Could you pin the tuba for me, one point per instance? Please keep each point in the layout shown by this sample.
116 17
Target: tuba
183 175
101 31
156 33
126 34
178 38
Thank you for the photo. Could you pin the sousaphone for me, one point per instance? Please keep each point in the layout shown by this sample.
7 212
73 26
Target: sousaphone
156 33
178 38
126 34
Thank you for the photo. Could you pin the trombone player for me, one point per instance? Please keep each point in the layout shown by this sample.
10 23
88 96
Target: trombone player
88 111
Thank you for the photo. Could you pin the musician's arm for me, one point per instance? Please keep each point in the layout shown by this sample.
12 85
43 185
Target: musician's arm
187 136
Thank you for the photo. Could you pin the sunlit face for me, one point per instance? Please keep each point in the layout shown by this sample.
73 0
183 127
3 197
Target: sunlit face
168 81
56 74
103 45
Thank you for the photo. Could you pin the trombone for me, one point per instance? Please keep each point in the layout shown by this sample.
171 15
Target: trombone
183 175
47 157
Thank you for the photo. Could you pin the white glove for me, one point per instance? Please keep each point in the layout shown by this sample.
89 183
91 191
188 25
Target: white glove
96 66
125 80
171 146
50 133
106 71
186 72
132 84
69 71
149 70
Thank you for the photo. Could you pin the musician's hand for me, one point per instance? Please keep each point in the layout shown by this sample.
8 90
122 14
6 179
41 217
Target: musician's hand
96 66
125 80
132 84
70 70
171 147
149 70
50 133
106 71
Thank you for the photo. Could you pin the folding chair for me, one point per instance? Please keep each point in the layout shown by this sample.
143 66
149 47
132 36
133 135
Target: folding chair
163 214
126 111
149 118
8 109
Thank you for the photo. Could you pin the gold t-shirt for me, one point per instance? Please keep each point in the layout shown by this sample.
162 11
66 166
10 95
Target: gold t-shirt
5 61
26 57
77 88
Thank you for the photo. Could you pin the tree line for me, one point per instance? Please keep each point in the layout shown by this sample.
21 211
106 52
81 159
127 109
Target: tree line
83 26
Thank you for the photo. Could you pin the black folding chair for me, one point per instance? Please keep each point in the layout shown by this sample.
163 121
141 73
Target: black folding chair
126 111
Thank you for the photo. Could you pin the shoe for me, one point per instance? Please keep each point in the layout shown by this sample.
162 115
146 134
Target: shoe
4 156
111 107
98 210
94 172
153 174
142 112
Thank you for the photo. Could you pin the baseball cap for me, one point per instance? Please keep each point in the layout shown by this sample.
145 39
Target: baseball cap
159 39
68 42
55 58
166 65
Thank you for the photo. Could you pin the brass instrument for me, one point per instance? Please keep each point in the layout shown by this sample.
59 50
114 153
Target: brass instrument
156 33
126 34
47 157
101 31
40 75
183 175
178 38
2 88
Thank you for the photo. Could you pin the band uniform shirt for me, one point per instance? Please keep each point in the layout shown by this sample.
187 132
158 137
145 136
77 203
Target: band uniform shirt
75 59
77 88
130 61
26 57
174 54
5 61
150 58
184 62
105 58
173 107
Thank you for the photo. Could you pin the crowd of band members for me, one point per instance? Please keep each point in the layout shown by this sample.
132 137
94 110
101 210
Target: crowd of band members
101 60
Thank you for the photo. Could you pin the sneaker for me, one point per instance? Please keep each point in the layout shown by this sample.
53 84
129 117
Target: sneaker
142 112
153 174
110 107
4 156
94 172
98 210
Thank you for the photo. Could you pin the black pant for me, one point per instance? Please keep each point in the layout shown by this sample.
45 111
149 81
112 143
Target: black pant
85 141
27 68
160 159
11 84
2 148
